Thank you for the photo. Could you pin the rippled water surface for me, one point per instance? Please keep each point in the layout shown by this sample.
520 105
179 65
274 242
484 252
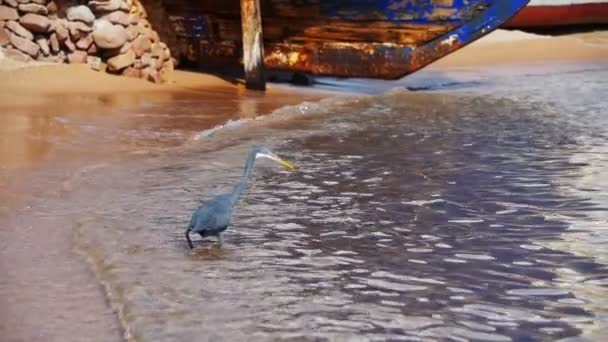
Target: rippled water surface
471 214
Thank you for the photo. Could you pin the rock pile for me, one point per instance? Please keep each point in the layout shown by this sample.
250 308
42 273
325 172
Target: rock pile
109 35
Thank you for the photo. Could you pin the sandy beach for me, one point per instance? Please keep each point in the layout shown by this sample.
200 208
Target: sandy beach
48 292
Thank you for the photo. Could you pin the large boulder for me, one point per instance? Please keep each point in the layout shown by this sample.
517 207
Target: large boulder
35 22
24 45
81 13
108 36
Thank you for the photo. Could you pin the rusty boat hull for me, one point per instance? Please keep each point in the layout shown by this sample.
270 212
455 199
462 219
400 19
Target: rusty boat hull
381 39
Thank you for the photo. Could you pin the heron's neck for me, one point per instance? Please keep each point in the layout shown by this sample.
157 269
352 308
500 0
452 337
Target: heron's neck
242 184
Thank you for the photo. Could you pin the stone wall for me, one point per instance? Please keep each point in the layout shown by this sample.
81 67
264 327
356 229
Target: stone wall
110 35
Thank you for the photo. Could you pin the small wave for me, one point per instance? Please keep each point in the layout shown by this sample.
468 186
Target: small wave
212 131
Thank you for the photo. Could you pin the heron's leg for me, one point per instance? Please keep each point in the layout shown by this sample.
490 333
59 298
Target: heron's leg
188 238
219 238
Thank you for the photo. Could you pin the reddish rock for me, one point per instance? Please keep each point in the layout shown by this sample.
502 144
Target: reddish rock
44 45
19 30
61 31
77 57
118 18
141 45
85 42
78 30
16 55
7 13
69 44
35 22
92 50
54 42
121 61
131 72
24 45
12 3
33 8
2 23
77 25
4 37
52 7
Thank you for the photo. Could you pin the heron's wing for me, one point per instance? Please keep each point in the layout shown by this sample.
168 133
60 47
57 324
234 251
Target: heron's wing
203 219
212 215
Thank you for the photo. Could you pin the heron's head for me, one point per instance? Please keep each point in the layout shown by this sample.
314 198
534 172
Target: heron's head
265 152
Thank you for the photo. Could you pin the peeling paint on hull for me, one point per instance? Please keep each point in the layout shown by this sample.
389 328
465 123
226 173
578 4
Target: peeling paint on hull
357 38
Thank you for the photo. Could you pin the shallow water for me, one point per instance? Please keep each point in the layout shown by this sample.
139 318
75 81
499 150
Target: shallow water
474 211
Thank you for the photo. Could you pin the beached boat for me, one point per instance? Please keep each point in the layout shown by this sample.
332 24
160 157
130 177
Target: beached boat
384 39
555 13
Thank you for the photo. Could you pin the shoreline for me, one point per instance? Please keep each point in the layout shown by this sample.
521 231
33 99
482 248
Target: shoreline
35 99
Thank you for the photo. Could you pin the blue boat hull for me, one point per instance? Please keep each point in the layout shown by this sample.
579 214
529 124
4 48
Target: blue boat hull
375 39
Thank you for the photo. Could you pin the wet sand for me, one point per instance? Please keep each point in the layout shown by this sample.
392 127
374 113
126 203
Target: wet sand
50 294
57 122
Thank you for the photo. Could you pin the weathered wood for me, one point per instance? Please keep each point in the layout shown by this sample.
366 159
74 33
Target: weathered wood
253 45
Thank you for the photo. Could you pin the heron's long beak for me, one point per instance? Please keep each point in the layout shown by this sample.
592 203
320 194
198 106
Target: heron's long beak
286 164
283 162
